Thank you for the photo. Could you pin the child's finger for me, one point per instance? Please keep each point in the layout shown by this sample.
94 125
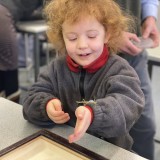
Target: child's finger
72 138
59 118
62 121
75 137
57 105
56 113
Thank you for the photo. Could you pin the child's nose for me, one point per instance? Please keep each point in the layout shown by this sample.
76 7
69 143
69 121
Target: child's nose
82 43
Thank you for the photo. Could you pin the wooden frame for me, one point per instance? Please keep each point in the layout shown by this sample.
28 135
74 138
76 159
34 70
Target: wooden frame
45 144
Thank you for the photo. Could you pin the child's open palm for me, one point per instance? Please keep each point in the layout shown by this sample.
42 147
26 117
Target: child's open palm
83 122
55 112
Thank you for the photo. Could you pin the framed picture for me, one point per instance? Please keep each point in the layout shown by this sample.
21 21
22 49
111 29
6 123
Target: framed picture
45 145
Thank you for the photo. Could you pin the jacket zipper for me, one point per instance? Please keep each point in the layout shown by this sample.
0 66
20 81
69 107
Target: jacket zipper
81 83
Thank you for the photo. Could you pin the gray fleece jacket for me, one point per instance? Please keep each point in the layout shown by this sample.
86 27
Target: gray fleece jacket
115 87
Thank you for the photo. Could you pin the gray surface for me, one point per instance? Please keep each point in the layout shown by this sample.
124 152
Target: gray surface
14 128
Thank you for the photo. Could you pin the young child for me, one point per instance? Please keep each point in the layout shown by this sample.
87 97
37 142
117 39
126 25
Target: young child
89 87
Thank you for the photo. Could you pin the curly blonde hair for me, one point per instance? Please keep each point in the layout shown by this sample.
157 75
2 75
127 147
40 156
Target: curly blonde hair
107 12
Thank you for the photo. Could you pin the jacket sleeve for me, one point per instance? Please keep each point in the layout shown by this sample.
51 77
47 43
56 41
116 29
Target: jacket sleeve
117 112
34 102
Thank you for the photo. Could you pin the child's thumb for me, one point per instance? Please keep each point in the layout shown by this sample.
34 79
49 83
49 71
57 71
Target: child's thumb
57 104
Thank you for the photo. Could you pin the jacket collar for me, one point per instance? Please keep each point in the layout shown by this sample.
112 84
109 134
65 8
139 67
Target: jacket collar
91 68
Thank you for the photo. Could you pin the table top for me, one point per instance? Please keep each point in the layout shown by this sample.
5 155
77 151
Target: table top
14 128
154 54
36 26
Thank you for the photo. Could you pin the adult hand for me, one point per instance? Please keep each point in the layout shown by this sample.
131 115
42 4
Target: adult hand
150 30
55 113
83 115
127 46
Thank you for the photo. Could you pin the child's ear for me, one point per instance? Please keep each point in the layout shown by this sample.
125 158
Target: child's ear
107 36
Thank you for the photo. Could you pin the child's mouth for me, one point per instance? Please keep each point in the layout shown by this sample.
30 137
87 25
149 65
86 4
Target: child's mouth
84 55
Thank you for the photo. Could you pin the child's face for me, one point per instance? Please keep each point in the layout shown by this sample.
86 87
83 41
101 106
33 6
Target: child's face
84 40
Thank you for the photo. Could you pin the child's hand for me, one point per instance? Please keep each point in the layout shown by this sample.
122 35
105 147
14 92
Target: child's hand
83 122
55 113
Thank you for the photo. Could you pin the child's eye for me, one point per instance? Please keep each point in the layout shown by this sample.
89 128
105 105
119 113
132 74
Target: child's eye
91 37
92 34
72 39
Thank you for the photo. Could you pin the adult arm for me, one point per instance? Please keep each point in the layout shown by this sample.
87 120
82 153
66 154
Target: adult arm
149 17
149 28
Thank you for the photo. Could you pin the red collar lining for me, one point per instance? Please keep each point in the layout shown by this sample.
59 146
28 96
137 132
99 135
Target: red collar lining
91 68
